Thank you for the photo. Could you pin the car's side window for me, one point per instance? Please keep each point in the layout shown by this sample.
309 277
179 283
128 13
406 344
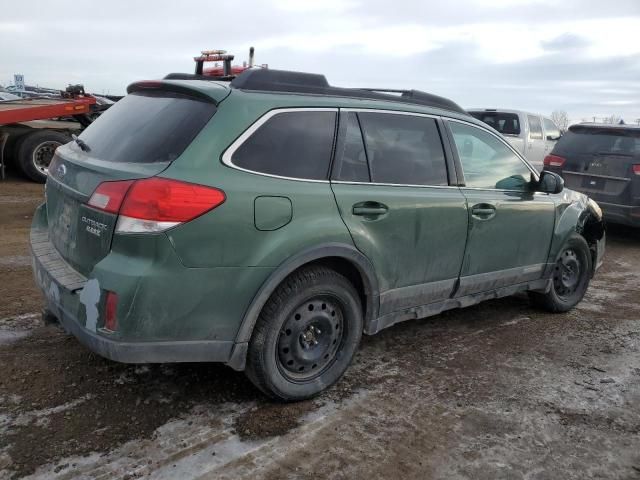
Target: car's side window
487 161
290 144
535 127
403 149
351 158
551 130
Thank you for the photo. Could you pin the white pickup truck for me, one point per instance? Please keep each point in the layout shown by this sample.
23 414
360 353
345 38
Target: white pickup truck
532 134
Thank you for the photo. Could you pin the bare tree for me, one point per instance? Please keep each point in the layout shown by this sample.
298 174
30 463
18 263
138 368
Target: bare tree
612 119
561 119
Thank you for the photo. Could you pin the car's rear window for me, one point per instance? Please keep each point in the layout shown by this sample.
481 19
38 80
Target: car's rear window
589 140
505 123
147 127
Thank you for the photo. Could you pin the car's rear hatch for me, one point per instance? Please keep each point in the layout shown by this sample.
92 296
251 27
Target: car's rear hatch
601 161
138 137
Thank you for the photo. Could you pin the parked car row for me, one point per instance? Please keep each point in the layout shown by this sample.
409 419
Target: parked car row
602 161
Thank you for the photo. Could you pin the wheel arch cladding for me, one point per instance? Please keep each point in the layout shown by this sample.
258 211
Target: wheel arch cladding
576 218
343 258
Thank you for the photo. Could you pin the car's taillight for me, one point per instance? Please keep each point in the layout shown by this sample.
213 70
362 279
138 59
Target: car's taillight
155 204
110 308
109 195
636 169
554 161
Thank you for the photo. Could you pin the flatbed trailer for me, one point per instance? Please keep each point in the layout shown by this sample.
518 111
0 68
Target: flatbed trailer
24 131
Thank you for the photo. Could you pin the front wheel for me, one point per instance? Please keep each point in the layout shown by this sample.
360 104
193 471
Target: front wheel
306 335
570 279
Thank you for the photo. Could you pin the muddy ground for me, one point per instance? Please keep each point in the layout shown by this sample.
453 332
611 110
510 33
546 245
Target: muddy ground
496 391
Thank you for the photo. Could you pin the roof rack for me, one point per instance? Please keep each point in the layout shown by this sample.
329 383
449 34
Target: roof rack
313 83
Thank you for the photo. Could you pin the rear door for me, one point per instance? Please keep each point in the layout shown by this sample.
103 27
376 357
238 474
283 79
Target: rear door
510 226
391 183
138 137
535 143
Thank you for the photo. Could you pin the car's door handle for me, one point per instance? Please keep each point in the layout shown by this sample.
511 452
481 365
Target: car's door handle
483 211
370 209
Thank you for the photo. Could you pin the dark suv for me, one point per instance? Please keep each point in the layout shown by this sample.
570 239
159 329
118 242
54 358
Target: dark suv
602 161
269 221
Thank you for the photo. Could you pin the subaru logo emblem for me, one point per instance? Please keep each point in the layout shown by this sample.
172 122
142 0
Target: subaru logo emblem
61 170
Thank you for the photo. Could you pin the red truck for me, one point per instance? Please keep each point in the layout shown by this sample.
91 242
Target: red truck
30 131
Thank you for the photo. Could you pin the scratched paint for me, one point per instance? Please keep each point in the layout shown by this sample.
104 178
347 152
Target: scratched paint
89 297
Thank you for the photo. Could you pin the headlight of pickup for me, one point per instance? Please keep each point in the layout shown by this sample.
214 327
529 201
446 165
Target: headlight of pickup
595 209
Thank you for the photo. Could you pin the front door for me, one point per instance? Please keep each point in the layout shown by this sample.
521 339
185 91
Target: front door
510 226
393 193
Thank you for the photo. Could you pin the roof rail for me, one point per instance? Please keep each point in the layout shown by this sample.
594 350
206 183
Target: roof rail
313 83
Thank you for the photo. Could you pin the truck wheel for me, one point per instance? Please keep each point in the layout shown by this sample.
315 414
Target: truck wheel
306 335
570 279
36 150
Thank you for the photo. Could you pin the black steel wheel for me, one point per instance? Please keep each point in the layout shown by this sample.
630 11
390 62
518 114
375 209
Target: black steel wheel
567 273
310 338
570 278
306 335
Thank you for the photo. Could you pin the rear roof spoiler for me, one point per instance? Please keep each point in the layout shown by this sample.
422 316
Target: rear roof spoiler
159 85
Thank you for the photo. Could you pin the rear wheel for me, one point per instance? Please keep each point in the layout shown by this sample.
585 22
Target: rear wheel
570 279
306 335
35 151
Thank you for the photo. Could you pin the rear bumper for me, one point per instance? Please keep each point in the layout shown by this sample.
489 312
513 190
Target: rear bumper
622 214
165 312
145 352
63 304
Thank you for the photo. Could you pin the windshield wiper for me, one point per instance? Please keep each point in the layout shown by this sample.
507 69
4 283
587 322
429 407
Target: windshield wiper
81 143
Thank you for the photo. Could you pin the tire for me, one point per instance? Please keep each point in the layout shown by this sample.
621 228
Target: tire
35 151
306 335
570 279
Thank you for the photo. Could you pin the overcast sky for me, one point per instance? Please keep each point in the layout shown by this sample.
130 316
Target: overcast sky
582 56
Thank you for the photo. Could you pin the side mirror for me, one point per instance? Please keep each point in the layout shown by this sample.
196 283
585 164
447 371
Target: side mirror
553 138
550 182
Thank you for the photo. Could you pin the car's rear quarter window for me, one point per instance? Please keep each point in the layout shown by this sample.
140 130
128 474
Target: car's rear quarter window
147 127
290 144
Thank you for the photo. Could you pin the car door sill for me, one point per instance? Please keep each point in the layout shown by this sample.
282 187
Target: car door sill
435 308
483 282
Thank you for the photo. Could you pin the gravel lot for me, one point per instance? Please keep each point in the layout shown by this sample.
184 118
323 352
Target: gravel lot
496 391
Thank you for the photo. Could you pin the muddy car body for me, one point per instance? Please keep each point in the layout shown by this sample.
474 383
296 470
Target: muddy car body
269 222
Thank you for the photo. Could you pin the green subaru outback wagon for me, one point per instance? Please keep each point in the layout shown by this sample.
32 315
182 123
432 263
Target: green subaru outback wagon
268 222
